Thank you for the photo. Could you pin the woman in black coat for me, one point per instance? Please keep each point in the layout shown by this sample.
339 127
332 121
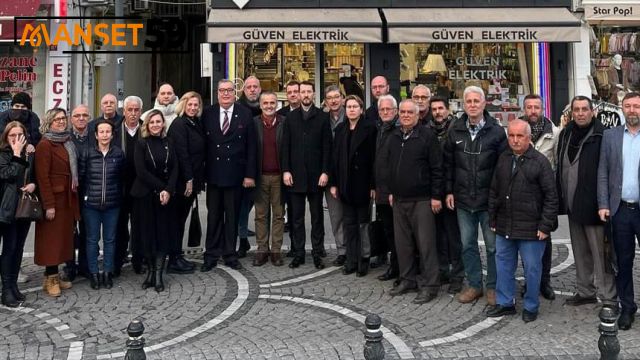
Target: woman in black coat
353 182
188 138
153 190
15 177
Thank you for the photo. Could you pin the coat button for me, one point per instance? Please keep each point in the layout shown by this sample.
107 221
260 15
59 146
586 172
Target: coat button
217 158
218 146
228 159
227 146
507 197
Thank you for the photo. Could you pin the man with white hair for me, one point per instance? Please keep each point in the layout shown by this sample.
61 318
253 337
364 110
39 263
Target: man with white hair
421 95
471 151
166 101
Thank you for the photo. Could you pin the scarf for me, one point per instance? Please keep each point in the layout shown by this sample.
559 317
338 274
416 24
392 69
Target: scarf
537 129
440 129
576 137
65 138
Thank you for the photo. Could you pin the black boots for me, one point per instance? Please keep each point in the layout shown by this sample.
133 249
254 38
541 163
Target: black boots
149 280
10 293
159 282
94 279
107 280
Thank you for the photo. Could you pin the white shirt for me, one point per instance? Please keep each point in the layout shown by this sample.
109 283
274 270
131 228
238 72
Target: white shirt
132 132
229 112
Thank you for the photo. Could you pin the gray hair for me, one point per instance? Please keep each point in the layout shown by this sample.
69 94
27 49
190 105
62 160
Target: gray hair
473 89
393 100
420 86
131 98
332 88
527 127
409 101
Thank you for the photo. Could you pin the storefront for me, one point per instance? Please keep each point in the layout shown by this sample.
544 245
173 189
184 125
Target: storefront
506 51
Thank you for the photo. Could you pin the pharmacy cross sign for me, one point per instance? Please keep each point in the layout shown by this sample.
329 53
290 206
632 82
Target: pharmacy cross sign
241 3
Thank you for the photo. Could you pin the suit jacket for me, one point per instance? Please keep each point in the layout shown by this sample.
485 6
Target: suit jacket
230 157
257 121
610 170
306 149
285 110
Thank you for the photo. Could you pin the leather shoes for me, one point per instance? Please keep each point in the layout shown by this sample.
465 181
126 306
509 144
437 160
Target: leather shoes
625 320
243 248
547 291
185 263
425 296
340 260
207 266
317 262
388 275
260 259
177 267
455 286
491 297
528 316
500 310
577 300
296 262
469 294
94 281
276 259
402 288
107 280
234 264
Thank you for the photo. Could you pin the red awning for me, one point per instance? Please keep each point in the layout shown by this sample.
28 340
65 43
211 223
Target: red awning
12 8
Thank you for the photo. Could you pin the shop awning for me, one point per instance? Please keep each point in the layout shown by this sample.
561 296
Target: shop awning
10 9
448 25
294 25
620 12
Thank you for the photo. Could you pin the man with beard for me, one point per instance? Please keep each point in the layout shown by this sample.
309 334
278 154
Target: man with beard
447 231
544 137
421 96
379 87
577 182
619 196
306 162
21 111
166 101
251 100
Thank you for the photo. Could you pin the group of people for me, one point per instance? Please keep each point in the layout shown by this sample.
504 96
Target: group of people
429 177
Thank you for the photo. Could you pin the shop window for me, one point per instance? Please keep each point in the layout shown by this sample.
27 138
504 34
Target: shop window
23 70
344 66
500 69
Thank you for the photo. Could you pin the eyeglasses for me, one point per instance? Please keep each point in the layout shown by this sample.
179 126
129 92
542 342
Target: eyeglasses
379 86
80 115
421 98
337 97
226 91
352 107
60 119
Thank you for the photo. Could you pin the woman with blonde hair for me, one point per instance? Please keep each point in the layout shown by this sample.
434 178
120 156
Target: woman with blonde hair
153 191
56 168
188 139
16 177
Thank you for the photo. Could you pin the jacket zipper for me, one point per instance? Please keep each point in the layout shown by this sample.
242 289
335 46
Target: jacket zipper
104 179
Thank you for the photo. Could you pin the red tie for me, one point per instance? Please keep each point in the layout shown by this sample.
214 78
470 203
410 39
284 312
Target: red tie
225 123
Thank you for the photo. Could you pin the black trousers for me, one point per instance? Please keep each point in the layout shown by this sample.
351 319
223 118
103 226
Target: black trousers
13 239
352 219
449 245
385 212
546 262
223 208
125 239
183 208
79 243
317 222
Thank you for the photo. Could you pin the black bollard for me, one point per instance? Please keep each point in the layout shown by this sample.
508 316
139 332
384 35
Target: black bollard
608 343
373 348
135 344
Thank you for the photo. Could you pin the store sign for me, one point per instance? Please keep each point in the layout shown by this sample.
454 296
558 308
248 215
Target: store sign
612 12
483 34
478 68
16 70
293 34
58 82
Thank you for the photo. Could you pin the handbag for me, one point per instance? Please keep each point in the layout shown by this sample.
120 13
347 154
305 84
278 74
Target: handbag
29 207
195 228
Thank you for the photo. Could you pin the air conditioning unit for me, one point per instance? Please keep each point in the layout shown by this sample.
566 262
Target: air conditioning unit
139 5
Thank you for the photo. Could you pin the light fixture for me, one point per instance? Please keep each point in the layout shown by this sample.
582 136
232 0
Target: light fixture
434 64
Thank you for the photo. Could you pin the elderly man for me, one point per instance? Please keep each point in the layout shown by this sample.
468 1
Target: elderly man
166 101
230 166
268 199
251 95
379 87
471 150
333 99
577 179
109 107
619 198
421 96
306 163
125 137
544 137
447 230
523 210
388 112
415 187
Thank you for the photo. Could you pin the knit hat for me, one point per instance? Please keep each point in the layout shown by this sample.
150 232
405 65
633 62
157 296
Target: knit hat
22 98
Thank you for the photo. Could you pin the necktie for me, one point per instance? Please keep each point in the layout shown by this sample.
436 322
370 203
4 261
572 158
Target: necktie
225 123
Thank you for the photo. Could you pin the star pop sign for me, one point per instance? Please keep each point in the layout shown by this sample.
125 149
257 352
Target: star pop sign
241 3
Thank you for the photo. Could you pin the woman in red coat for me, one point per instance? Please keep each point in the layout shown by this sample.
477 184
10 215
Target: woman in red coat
56 171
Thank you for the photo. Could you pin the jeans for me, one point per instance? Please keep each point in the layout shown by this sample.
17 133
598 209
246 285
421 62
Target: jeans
108 219
531 252
469 221
626 228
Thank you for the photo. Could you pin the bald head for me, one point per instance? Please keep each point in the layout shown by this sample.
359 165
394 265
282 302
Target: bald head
379 86
108 106
166 95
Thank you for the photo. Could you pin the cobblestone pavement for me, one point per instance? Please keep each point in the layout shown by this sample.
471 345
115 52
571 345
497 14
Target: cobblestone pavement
278 313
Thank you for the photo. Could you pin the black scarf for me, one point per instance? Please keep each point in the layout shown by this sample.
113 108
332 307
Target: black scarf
576 138
537 129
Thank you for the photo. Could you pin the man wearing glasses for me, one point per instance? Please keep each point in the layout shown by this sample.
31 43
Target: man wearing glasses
421 96
471 151
231 166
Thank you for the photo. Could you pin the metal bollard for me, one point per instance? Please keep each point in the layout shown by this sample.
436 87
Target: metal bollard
373 348
608 343
135 344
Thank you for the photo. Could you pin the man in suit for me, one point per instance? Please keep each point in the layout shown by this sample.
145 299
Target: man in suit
231 166
306 161
619 196
293 98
